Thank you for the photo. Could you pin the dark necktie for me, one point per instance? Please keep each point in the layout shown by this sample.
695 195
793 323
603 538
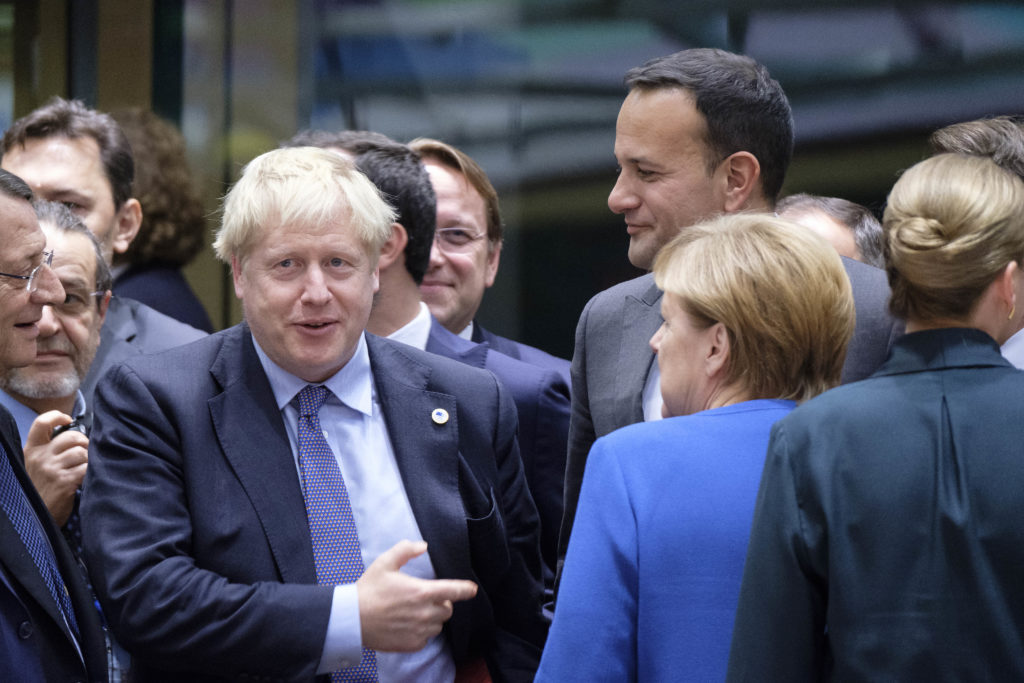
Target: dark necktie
332 526
25 522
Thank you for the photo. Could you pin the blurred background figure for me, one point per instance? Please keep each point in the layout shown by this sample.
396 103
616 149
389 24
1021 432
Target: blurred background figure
849 227
173 221
886 542
758 314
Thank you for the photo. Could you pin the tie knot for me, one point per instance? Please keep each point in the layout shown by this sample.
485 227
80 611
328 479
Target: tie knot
311 398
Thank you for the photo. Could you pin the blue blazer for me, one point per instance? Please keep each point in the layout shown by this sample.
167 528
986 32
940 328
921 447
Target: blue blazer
35 644
653 569
198 537
887 541
542 402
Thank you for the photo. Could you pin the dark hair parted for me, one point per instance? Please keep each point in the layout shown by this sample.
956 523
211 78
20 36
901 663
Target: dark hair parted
952 224
72 119
60 217
1000 138
744 108
174 223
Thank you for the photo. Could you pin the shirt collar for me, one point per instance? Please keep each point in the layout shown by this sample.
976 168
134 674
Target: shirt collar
352 384
416 332
467 331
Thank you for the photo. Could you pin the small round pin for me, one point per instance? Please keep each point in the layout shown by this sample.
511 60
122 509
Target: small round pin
439 416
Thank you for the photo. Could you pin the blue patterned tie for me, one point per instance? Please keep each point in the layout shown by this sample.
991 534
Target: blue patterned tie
332 527
25 522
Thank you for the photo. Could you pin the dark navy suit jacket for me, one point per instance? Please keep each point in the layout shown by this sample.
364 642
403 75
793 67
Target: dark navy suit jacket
35 644
199 542
887 541
165 289
523 352
542 401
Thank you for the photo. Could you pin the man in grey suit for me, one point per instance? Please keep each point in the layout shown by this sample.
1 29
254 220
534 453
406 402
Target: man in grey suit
701 132
79 157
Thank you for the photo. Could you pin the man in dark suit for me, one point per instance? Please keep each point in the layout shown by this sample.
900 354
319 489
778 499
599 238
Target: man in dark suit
233 514
541 396
49 629
701 132
464 259
71 154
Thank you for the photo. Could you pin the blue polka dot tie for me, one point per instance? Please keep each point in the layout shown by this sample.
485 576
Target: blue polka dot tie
25 522
332 527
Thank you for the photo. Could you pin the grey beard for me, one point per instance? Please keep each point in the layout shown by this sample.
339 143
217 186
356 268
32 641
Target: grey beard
17 382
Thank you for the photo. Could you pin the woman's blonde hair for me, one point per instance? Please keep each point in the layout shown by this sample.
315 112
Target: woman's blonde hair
780 291
952 224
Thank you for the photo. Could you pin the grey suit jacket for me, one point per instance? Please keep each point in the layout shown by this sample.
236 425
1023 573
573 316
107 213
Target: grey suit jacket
132 328
613 357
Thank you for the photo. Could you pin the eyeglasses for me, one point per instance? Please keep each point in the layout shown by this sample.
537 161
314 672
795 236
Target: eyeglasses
456 240
33 277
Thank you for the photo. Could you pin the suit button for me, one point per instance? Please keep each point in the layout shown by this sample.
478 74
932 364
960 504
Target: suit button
25 630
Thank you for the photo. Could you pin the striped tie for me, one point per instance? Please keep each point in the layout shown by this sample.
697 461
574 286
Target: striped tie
25 522
332 527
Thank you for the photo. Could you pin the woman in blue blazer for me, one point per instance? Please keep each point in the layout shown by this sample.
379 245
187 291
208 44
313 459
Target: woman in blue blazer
888 537
758 313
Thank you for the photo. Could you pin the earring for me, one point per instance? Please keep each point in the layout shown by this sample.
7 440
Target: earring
1013 310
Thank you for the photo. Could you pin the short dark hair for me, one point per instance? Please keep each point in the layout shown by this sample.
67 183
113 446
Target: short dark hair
1001 139
744 108
60 216
72 119
399 174
13 186
866 229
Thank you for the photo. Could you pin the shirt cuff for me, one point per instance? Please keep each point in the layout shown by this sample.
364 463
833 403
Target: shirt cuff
343 645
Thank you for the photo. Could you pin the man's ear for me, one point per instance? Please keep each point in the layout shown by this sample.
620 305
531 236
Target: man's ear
236 278
716 362
126 225
493 258
394 248
104 304
742 174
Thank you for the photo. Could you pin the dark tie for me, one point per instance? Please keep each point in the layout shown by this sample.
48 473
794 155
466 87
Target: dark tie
25 522
332 527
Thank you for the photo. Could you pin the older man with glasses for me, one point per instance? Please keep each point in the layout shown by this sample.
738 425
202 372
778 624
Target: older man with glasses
49 629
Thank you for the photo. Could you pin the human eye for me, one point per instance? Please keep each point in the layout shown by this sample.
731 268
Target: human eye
337 262
645 173
74 302
458 237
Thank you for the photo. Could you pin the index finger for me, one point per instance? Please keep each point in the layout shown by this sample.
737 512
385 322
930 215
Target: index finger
455 590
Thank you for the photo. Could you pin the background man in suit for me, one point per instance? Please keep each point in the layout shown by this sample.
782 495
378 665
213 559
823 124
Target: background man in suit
69 153
46 632
69 333
233 519
701 132
541 396
465 256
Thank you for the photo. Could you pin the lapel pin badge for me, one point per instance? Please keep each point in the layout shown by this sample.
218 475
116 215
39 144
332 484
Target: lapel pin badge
439 416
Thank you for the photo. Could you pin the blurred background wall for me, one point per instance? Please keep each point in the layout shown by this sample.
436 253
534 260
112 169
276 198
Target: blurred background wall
529 88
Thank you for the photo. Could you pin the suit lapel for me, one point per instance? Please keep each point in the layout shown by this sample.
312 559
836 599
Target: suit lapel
15 557
252 436
641 317
426 452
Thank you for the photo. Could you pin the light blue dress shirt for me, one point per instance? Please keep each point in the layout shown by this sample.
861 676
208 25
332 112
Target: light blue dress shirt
350 417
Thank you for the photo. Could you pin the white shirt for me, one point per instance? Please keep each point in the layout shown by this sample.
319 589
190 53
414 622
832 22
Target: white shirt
467 331
652 393
416 332
380 506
